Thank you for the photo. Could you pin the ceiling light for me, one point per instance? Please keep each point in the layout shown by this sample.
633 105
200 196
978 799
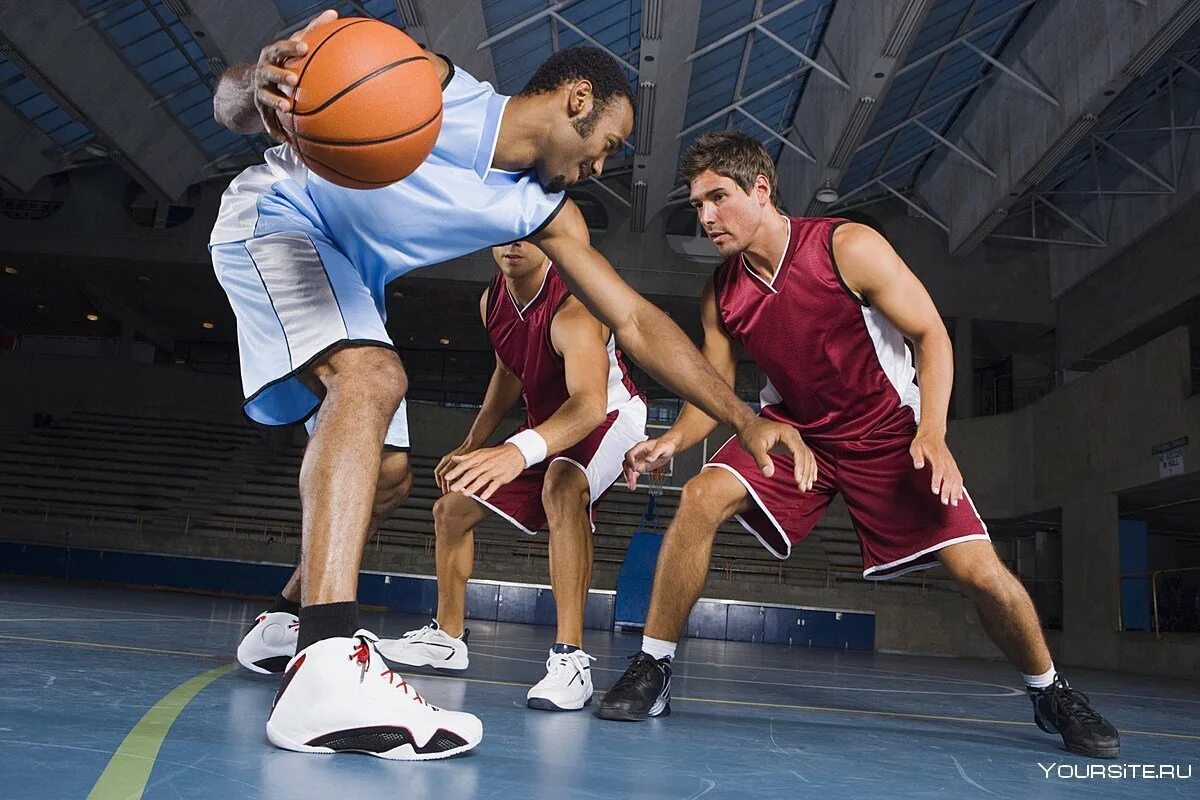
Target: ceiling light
443 341
97 150
10 270
91 317
143 278
828 194
208 326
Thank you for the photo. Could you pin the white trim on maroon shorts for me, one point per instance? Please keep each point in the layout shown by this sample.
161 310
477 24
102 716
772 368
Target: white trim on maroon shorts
869 573
500 513
594 491
763 506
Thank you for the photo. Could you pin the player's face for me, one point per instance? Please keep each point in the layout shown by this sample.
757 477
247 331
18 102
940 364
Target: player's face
518 259
729 215
580 143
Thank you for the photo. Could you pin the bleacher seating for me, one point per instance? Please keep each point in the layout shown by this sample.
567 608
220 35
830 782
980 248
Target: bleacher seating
216 478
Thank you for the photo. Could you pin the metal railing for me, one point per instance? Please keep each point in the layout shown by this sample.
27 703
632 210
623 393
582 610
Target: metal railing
1173 609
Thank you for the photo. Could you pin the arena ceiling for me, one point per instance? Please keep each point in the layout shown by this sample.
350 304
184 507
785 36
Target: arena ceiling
132 81
1061 126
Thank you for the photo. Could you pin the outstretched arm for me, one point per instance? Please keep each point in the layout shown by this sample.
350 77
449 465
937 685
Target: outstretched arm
654 341
580 339
871 267
646 333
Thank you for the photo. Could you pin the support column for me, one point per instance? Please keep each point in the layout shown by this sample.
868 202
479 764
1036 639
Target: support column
1091 567
964 372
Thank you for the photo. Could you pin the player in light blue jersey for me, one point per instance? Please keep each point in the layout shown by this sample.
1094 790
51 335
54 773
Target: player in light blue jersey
305 262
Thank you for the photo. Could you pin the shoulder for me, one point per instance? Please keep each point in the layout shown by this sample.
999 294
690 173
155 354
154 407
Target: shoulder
852 238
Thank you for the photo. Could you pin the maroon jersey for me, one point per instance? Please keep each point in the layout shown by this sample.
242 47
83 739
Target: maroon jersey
835 367
521 339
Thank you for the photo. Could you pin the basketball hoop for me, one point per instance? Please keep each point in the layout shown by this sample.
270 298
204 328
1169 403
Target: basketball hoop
656 477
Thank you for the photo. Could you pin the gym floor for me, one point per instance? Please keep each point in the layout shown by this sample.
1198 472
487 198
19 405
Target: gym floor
111 692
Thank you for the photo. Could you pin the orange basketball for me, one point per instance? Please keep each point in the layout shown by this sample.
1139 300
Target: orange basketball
368 105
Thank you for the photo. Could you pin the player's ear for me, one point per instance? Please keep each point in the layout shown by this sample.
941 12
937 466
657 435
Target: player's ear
580 100
762 189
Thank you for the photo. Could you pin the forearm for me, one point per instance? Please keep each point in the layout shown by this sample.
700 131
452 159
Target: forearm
233 101
935 375
497 402
575 419
690 428
662 349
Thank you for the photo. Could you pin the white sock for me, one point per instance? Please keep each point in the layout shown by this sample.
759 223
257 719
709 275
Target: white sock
1040 681
658 648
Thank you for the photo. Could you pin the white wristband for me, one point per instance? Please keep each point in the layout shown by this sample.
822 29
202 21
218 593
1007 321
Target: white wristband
531 445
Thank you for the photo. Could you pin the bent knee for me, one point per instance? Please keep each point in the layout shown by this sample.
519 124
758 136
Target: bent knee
713 495
449 513
565 490
365 374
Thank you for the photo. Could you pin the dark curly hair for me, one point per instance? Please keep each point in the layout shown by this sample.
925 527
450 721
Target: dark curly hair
606 75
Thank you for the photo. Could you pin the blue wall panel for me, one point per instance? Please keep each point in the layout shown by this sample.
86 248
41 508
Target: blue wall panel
710 619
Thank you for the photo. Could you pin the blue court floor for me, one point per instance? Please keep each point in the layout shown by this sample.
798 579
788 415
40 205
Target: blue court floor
80 666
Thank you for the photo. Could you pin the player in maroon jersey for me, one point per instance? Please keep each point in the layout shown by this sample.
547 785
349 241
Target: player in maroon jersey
584 411
824 307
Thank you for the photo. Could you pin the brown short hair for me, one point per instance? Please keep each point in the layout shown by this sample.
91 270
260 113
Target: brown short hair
734 155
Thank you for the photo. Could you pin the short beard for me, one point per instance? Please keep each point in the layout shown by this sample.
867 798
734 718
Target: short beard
557 184
587 124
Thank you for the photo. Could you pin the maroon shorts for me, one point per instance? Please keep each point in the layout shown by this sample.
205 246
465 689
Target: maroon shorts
900 523
599 455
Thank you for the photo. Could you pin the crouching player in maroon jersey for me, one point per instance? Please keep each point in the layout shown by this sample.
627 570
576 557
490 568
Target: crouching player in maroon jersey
824 307
583 414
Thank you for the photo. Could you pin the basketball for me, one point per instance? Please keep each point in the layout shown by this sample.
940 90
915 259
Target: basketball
368 105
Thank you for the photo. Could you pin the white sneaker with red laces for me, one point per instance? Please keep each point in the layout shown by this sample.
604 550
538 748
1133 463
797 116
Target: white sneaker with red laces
270 644
338 695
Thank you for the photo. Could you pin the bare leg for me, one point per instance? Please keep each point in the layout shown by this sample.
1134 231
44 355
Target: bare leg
565 496
708 499
454 517
1005 608
340 473
395 482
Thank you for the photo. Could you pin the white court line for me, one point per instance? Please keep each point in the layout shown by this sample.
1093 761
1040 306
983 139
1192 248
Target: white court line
136 613
888 674
1010 692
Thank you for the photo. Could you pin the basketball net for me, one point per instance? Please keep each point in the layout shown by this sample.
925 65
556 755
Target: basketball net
655 479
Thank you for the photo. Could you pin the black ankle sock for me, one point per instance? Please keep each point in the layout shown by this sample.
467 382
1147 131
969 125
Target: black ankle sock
281 603
561 648
326 621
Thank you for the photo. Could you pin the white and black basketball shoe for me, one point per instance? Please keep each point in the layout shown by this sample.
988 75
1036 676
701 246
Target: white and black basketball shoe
567 685
427 647
270 644
339 696
642 691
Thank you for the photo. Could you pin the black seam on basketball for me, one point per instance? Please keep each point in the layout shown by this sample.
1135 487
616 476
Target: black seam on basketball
375 184
360 143
339 95
304 69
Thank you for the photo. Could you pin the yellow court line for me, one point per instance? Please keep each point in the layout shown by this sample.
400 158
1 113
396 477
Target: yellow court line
749 703
129 768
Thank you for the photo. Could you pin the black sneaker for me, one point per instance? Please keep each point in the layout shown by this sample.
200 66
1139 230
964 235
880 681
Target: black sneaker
1060 709
642 691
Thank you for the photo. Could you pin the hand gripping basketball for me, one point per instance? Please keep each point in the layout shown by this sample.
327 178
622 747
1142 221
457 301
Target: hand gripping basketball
762 435
272 84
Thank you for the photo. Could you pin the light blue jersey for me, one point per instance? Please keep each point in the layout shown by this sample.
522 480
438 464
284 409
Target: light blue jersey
305 261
